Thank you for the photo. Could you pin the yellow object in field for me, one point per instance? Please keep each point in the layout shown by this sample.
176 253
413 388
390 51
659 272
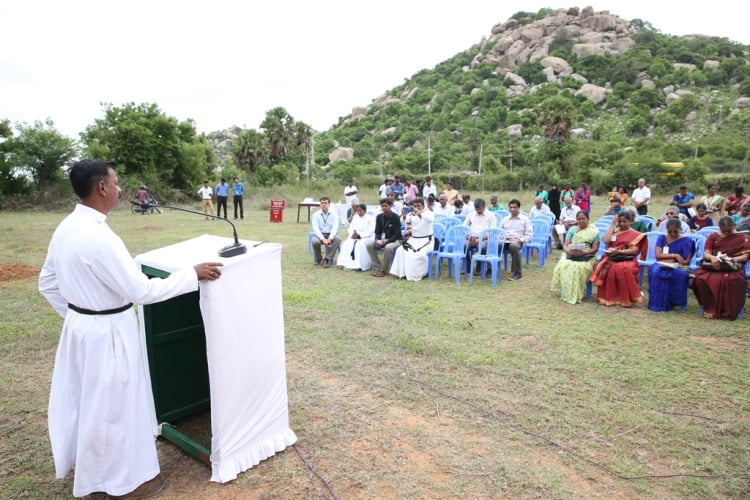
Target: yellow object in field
674 166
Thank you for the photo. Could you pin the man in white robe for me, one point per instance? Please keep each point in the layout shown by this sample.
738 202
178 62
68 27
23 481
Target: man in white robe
353 253
410 259
101 410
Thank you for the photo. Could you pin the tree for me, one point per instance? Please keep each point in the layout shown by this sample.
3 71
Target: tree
41 152
149 146
249 150
557 115
278 127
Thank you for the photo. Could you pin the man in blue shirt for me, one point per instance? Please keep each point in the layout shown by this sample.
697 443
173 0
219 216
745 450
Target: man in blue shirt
683 200
325 225
396 188
239 190
222 193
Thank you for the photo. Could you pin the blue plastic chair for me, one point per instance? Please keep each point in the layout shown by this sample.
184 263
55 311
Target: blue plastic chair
461 217
438 234
648 220
650 259
494 254
450 222
707 230
551 219
599 255
605 219
538 241
455 243
699 244
500 215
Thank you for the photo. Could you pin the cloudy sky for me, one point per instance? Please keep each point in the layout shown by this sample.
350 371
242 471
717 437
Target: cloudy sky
226 63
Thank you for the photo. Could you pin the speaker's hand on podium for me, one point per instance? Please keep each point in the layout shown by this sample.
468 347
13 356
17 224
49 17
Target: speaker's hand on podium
208 270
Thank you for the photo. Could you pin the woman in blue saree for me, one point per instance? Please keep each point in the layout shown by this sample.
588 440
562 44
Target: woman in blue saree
668 283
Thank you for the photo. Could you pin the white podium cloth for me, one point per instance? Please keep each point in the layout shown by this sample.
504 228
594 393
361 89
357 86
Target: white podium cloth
244 324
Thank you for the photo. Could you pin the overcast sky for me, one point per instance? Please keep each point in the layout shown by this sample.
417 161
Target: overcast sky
226 63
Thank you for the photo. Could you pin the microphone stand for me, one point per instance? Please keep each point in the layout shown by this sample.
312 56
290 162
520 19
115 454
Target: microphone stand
232 250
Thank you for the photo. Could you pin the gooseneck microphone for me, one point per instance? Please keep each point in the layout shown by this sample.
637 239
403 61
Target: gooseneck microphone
232 250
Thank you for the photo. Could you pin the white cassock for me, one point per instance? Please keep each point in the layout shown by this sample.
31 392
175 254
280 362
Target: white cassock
352 254
411 263
101 410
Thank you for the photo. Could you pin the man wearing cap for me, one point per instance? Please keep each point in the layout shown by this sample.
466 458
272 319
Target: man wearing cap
101 416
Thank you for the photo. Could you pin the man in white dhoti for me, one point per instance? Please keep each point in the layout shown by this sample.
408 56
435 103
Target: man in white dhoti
410 259
101 411
353 253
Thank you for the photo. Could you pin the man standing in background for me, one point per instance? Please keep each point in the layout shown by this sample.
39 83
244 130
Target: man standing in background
238 190
641 196
429 188
222 195
207 196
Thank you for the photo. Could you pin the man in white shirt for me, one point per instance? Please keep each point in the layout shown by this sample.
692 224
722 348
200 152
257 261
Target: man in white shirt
478 220
396 206
383 190
640 197
101 416
429 188
442 207
350 192
520 231
207 194
539 208
567 220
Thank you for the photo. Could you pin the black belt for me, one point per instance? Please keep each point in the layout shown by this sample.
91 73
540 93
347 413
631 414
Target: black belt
95 313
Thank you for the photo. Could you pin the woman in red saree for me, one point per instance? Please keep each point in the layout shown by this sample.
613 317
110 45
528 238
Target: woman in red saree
720 283
616 276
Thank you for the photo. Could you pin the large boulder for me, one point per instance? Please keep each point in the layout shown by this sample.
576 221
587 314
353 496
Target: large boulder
550 74
516 79
742 102
594 93
587 12
502 45
558 64
516 48
515 130
671 97
531 33
592 49
711 64
623 44
358 111
341 154
599 22
690 67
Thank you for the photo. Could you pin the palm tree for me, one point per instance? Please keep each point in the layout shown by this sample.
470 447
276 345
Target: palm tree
249 149
278 127
557 115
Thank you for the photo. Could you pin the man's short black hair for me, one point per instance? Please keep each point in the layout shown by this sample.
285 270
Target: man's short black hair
514 202
85 173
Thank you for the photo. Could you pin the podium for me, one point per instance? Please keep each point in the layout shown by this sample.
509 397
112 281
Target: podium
220 348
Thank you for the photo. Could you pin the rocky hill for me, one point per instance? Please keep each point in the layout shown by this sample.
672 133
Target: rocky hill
637 96
556 95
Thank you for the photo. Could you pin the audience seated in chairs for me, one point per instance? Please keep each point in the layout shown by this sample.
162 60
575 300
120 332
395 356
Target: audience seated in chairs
519 231
720 284
387 238
325 225
539 208
410 259
353 254
572 273
668 283
616 275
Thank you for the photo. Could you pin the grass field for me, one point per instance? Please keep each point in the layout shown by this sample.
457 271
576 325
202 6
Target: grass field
428 389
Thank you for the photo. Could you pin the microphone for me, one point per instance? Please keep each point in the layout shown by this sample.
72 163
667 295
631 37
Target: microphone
232 250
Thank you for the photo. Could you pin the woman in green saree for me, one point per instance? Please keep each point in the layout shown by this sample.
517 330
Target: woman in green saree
572 272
